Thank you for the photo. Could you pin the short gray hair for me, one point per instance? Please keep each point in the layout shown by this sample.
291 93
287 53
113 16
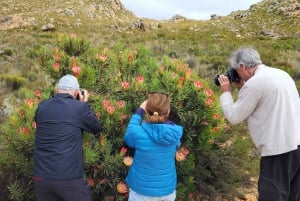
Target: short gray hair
245 55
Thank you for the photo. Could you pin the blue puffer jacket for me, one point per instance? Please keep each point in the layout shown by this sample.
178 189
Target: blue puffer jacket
153 172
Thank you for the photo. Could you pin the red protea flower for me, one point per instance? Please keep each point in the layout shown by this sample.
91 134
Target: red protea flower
130 58
123 151
215 129
91 182
181 80
76 70
216 116
25 131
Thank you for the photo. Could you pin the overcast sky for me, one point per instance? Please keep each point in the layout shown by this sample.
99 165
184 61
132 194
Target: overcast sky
191 9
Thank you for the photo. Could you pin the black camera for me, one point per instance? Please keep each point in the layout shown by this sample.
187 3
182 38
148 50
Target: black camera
232 75
78 97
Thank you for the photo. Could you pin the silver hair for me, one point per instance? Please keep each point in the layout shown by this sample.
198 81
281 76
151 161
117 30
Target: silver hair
245 55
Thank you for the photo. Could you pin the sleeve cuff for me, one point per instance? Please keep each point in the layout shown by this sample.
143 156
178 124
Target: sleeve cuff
140 112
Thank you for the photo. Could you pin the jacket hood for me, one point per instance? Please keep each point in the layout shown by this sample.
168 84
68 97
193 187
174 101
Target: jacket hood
164 134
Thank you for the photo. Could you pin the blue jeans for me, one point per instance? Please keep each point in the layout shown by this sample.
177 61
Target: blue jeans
134 196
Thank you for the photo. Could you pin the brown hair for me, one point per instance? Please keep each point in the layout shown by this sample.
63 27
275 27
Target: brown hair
157 107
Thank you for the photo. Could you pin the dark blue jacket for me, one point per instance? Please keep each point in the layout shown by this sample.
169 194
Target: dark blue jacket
58 141
153 172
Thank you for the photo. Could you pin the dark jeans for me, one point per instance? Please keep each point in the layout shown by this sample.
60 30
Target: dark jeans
279 178
62 190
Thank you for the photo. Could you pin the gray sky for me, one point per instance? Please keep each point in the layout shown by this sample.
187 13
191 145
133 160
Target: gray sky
191 9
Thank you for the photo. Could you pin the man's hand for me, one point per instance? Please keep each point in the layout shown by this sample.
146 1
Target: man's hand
224 83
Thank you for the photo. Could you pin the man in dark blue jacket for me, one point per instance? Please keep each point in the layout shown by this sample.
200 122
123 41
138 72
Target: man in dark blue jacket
58 159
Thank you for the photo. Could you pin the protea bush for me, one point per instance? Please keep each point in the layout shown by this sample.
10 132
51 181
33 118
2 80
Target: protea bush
119 79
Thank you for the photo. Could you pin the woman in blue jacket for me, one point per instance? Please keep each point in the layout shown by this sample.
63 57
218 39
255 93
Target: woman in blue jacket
152 175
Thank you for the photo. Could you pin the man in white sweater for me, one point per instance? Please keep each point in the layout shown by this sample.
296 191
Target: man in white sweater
269 100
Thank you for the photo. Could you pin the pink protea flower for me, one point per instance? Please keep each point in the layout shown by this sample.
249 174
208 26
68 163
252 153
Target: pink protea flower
208 92
198 84
110 109
37 93
102 57
121 104
184 151
29 102
209 102
188 74
140 79
55 66
56 56
73 35
125 85
184 67
106 103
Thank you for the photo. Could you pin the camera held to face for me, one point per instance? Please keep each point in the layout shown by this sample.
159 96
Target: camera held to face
232 77
82 93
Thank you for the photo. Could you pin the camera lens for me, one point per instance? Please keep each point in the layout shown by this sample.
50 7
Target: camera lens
216 80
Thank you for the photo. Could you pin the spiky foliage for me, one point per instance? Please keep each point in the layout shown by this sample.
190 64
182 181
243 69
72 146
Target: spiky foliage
119 79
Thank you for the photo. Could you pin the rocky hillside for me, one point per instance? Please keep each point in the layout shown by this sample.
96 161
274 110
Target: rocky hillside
272 25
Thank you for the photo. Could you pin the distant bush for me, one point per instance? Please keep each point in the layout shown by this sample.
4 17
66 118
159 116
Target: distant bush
13 82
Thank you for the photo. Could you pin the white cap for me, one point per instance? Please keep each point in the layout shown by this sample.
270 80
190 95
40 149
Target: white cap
68 82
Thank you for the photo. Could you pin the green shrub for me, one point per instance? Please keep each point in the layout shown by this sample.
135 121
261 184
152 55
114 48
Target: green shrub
119 79
13 82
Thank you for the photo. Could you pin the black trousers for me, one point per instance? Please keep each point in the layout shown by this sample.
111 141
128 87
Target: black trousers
279 178
62 190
